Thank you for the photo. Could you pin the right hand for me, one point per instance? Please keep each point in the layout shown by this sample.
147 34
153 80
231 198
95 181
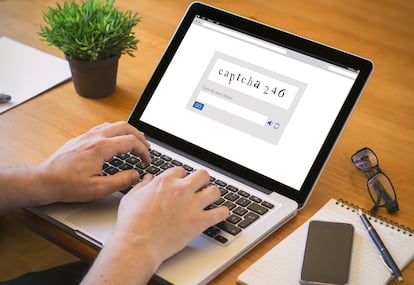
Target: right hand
167 212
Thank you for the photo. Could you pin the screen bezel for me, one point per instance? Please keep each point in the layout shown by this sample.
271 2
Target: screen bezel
281 38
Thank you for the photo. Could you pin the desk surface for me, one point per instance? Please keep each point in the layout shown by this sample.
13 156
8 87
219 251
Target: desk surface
383 120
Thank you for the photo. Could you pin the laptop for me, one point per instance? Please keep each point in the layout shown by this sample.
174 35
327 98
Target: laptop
258 107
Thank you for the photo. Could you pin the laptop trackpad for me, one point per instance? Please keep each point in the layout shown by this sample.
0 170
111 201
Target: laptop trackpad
96 219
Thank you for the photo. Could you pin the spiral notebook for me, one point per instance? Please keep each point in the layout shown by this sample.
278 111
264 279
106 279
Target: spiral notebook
282 264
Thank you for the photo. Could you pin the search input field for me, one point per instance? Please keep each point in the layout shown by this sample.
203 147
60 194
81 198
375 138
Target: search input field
232 108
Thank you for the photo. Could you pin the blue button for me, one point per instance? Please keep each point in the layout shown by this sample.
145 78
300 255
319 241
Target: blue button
198 105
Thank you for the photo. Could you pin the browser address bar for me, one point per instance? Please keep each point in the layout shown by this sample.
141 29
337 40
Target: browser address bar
244 38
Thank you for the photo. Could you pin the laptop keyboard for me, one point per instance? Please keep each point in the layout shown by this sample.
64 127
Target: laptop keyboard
244 207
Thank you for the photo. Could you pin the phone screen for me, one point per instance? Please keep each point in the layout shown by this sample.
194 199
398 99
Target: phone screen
328 251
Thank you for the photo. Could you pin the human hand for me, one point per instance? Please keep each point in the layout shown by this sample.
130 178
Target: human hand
74 172
168 211
156 219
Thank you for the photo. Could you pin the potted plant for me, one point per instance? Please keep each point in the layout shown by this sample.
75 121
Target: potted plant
92 34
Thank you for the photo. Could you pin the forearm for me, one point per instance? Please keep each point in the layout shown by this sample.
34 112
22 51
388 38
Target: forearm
118 263
74 172
22 187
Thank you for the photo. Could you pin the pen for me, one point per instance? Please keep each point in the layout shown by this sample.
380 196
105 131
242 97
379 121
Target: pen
4 98
385 255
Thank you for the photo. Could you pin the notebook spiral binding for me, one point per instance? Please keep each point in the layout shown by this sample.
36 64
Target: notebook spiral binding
378 219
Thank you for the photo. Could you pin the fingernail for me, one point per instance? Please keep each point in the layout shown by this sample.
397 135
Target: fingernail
135 176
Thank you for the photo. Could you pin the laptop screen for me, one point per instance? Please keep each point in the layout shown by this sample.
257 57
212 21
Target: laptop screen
263 106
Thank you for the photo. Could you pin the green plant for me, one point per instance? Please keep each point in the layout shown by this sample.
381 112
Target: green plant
90 31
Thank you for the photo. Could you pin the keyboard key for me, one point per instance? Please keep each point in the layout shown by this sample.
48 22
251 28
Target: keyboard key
110 170
140 171
166 157
268 205
221 239
209 207
125 166
223 191
115 162
219 201
243 202
157 161
229 205
142 165
188 168
155 153
152 170
232 197
243 193
228 227
234 219
211 231
240 211
257 209
123 156
220 183
132 160
232 188
256 199
248 220
166 165
176 162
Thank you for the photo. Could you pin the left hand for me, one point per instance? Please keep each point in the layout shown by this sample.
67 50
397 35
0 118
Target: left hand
74 172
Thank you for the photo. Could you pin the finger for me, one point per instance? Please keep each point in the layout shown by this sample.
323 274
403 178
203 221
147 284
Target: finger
177 172
145 180
123 128
199 179
214 216
208 196
115 129
104 185
124 144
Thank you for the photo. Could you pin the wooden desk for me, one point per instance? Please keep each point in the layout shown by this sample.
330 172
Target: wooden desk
383 120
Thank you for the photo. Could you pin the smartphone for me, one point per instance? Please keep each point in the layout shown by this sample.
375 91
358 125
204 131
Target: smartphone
328 251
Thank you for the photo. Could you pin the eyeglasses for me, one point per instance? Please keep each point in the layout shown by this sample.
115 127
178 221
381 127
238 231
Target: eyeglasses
379 185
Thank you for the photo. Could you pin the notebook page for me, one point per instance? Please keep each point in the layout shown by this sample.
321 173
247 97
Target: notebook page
26 72
282 264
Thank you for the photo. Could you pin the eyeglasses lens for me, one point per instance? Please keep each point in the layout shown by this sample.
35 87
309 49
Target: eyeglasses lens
365 159
381 189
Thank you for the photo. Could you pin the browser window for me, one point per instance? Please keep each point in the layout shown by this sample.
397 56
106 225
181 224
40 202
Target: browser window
248 100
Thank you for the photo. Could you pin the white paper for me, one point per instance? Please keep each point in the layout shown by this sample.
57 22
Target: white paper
282 264
26 72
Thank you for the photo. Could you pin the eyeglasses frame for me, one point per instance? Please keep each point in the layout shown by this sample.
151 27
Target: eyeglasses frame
373 173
